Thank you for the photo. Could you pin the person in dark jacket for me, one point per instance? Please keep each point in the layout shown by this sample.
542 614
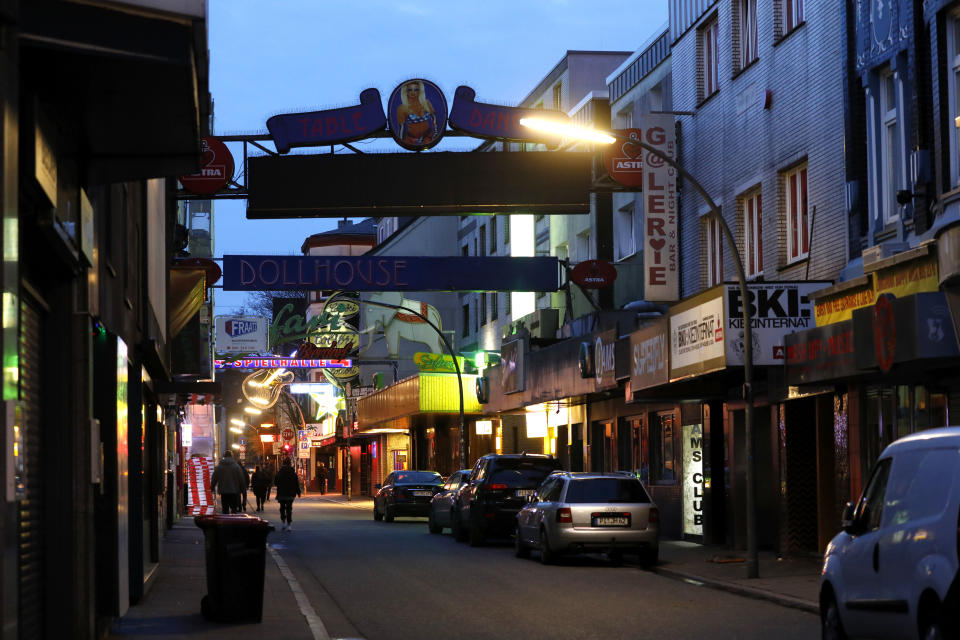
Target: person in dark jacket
260 483
288 488
231 480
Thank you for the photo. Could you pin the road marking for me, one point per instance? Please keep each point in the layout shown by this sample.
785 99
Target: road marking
316 624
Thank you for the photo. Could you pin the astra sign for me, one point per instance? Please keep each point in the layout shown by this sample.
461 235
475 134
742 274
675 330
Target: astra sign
389 273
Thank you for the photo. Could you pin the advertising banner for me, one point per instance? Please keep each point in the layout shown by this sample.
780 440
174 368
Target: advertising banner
821 353
776 309
605 362
240 334
900 280
649 356
696 336
511 363
661 248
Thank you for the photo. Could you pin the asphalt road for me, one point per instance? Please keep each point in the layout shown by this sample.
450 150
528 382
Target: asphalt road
378 580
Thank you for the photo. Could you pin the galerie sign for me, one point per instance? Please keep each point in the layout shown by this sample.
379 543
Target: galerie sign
660 239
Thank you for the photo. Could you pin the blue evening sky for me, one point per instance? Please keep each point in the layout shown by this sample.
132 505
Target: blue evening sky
287 56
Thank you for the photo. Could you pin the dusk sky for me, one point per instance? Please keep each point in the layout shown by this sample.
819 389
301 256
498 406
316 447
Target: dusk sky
304 55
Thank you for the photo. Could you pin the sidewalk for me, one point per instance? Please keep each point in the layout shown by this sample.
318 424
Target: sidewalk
171 607
791 582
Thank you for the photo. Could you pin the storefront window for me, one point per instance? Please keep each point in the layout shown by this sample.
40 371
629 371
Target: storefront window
894 412
663 464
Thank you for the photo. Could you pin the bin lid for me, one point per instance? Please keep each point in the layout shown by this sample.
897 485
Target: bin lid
231 520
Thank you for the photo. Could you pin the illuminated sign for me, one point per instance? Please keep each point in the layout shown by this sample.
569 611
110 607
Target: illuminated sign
328 127
390 273
217 170
282 363
311 387
484 427
240 334
661 244
417 114
436 362
624 160
497 122
693 480
266 437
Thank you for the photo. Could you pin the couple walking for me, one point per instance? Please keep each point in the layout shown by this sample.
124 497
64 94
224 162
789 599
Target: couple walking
231 481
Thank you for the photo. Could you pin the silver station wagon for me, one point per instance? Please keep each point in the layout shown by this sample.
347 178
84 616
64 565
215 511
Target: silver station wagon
580 512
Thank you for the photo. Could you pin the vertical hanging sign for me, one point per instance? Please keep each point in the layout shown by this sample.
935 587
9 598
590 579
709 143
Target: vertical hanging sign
660 239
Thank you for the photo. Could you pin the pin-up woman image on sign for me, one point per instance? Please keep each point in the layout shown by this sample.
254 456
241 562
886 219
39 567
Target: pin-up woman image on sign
420 114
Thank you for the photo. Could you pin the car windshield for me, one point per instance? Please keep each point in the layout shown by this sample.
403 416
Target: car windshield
522 473
411 477
606 490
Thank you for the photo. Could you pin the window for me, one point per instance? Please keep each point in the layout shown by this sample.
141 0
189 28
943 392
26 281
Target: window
707 62
492 229
483 310
870 509
626 228
506 230
558 96
508 306
953 92
791 15
746 25
752 235
713 252
494 314
465 250
891 154
582 248
661 448
798 224
466 320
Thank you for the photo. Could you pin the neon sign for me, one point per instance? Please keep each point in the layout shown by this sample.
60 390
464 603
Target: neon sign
282 363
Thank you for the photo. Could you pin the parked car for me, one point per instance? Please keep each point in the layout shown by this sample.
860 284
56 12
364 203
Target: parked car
405 493
892 572
442 504
499 487
586 512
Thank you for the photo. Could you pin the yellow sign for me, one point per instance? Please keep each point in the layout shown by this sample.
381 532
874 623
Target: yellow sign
436 363
901 280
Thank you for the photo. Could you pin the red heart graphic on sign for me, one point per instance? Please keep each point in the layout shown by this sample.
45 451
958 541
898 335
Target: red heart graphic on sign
657 243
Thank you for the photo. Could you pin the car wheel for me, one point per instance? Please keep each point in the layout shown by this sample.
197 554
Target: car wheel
930 619
547 556
433 526
456 526
376 514
831 628
387 513
520 549
476 533
649 557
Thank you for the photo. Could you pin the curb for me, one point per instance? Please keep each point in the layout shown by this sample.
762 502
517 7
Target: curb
750 592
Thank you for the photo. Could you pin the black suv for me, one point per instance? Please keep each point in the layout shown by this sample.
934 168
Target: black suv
500 485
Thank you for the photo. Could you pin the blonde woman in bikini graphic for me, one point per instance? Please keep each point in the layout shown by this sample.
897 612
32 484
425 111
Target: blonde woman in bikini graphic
416 115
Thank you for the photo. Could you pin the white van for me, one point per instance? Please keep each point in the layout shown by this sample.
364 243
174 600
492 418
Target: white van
893 570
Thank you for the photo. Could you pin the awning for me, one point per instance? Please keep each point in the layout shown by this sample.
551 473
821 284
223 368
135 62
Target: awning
135 79
419 394
187 292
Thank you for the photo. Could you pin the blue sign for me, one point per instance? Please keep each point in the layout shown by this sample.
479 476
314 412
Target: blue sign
496 122
417 114
389 273
332 126
235 328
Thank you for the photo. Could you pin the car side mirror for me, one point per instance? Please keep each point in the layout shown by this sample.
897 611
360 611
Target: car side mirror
847 521
533 497
376 486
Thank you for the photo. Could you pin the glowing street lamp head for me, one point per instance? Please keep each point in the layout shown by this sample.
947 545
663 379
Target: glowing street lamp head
236 430
567 130
239 423
253 410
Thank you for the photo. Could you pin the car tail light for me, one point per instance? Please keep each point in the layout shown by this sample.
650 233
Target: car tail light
402 493
654 516
496 487
564 515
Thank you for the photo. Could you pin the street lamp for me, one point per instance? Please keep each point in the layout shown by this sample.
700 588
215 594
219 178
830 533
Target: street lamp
603 137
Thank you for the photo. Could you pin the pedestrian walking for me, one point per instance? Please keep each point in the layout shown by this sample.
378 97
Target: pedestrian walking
243 489
230 479
260 484
271 472
288 488
322 478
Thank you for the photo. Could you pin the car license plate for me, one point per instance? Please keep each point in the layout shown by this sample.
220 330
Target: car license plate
423 493
611 520
524 493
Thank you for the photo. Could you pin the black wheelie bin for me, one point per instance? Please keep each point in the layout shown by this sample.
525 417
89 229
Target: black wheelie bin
236 547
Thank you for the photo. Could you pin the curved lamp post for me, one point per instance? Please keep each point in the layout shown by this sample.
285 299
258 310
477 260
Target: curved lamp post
464 440
593 135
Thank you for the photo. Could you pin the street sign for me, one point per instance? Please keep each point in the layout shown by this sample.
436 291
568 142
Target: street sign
287 434
242 441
